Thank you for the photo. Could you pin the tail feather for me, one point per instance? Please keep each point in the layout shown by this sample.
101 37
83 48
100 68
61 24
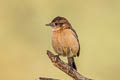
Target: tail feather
71 62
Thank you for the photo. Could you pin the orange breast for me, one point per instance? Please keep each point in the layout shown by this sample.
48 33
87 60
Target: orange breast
65 43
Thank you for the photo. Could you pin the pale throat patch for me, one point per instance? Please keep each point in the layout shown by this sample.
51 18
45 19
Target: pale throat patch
56 29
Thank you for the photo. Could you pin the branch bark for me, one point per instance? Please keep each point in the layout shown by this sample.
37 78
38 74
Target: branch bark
57 62
42 78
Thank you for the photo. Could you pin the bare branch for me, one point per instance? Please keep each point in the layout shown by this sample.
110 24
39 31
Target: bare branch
65 67
43 78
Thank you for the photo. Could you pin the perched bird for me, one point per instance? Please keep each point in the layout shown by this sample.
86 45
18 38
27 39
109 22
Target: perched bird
64 39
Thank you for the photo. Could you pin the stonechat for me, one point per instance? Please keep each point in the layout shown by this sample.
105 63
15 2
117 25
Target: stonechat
64 39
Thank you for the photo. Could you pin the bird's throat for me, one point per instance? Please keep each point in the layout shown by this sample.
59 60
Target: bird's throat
56 29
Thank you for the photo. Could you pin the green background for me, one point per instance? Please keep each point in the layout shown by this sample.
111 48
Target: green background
24 38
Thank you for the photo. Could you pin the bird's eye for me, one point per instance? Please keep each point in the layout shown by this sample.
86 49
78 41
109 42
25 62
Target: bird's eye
56 24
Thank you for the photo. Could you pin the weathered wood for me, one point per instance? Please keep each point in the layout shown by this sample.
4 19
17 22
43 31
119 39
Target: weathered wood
57 62
65 67
43 78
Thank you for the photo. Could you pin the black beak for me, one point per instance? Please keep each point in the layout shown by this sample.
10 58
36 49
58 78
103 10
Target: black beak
48 24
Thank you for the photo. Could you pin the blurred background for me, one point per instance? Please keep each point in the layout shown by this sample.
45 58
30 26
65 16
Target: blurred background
24 38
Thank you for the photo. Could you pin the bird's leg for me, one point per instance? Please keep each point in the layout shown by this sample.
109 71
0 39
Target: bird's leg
57 55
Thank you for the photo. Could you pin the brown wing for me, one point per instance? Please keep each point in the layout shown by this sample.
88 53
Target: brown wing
76 36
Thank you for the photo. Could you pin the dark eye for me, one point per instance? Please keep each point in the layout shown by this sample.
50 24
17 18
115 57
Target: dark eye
56 24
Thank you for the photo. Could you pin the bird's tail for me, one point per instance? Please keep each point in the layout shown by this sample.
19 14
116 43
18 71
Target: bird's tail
71 62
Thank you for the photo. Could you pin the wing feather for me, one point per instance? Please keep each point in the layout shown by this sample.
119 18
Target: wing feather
76 36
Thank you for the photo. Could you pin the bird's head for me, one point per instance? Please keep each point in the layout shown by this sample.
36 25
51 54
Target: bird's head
59 23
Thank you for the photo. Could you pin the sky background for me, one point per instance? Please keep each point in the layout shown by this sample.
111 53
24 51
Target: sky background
24 38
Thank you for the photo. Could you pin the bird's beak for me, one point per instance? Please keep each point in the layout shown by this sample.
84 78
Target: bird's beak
48 24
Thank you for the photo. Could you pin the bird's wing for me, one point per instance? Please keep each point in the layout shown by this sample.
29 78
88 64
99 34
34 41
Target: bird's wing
76 36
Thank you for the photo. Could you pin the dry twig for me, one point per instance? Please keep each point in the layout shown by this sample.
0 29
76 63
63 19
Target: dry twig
42 78
64 67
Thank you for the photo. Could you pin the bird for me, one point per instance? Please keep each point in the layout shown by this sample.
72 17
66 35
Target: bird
64 39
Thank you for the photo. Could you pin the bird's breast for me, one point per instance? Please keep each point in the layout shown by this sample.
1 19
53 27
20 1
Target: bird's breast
64 42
